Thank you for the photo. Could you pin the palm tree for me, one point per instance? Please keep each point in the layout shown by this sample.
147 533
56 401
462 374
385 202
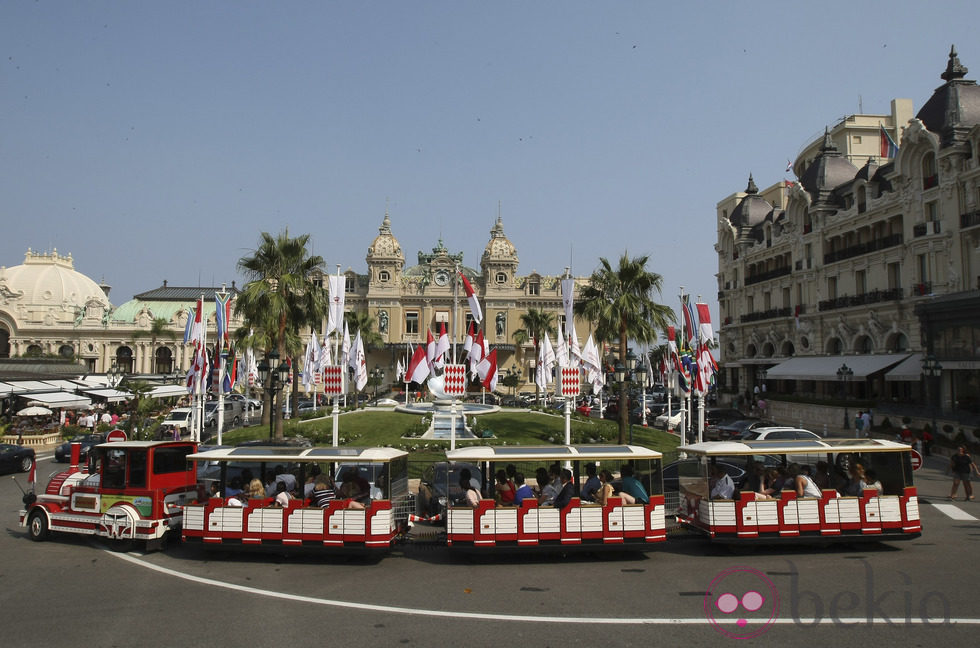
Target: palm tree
536 324
280 299
159 327
619 302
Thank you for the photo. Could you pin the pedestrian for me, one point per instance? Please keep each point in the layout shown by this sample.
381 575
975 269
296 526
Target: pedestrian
962 466
858 425
866 423
927 442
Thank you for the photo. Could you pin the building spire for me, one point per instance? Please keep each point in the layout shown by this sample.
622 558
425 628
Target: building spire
954 69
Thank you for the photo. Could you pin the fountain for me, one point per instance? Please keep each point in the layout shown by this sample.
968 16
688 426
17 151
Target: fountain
442 415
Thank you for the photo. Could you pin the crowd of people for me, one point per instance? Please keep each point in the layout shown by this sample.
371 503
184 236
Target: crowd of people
555 487
806 481
280 487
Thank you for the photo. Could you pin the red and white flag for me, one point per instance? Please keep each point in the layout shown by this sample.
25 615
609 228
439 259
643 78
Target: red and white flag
196 335
468 342
476 352
472 298
442 345
430 350
704 323
418 368
488 370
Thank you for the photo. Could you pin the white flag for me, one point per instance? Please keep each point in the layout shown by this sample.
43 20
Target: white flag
335 314
345 346
311 359
561 349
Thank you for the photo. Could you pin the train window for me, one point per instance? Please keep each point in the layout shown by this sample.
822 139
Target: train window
137 468
114 469
171 460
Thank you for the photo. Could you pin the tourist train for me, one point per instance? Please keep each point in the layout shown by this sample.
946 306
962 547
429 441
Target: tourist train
132 491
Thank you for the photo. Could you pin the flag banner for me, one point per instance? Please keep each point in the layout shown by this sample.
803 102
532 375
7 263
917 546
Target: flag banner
345 347
442 345
311 360
359 363
468 342
337 287
567 300
189 325
561 349
197 328
488 370
690 321
704 317
571 381
418 368
333 380
573 347
472 299
222 315
455 379
889 149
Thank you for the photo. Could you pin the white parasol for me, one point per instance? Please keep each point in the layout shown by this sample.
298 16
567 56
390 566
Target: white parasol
34 410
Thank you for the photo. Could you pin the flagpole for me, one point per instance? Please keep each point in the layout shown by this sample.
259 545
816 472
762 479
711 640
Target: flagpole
199 405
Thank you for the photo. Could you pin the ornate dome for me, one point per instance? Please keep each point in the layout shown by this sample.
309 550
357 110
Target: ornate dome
385 244
49 280
829 170
954 108
751 210
499 248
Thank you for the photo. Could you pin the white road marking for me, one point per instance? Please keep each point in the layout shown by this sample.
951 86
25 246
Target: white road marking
696 621
953 511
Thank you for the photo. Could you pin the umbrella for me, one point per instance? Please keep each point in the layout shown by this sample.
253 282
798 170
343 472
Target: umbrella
34 410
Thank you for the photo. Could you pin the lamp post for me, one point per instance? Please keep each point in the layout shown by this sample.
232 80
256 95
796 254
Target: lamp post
623 375
843 375
933 371
377 377
272 374
114 375
640 372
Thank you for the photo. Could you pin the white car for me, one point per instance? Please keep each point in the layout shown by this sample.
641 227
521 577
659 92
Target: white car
671 422
777 433
179 417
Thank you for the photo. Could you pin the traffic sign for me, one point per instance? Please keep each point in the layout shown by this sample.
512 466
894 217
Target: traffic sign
916 459
116 435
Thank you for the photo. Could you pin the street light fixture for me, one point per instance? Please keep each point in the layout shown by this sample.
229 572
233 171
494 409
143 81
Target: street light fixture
114 375
933 370
843 375
641 377
377 377
273 375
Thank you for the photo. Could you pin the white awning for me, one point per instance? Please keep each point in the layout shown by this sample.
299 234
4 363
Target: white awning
109 395
908 370
825 368
64 385
59 399
168 391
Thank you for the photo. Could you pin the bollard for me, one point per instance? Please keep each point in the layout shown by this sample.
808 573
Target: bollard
825 430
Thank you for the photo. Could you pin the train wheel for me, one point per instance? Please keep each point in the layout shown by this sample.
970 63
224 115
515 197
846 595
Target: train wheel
37 526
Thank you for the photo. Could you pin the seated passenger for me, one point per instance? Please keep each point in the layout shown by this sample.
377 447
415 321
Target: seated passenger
282 495
591 483
287 478
803 484
523 490
567 489
605 490
724 487
822 476
255 489
546 488
503 489
471 496
350 491
775 481
756 481
323 492
236 500
311 482
234 487
872 480
632 490
856 480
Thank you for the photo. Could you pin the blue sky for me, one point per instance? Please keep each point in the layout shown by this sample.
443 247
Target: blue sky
156 140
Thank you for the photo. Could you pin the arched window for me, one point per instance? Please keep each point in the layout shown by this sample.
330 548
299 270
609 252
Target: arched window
33 351
750 351
163 360
768 350
124 359
930 176
835 346
864 344
788 350
4 342
66 351
897 343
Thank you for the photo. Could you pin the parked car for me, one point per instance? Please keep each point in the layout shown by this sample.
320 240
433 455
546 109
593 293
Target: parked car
734 429
671 422
180 418
14 458
62 453
440 484
777 434
252 404
232 416
383 402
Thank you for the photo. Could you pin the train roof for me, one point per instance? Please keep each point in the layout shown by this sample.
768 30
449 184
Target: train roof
142 444
258 454
552 452
793 446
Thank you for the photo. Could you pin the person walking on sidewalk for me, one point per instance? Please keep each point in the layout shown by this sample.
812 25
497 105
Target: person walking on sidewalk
962 466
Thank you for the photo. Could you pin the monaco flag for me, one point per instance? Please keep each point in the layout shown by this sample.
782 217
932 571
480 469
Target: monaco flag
704 317
488 370
472 299
418 368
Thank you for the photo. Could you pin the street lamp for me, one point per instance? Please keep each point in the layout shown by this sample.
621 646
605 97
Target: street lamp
641 377
114 376
843 375
273 375
933 370
377 377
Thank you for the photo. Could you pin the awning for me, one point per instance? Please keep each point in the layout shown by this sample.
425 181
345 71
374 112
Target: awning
168 391
109 395
64 385
908 370
59 399
825 367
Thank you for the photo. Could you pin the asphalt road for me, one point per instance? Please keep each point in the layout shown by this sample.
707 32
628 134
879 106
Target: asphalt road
77 591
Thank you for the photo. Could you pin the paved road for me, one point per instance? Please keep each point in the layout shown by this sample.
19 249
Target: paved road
73 590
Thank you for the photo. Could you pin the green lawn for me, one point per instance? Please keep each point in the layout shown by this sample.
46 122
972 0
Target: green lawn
509 427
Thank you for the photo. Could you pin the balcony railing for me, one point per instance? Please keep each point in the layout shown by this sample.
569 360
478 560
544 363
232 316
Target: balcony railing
928 227
920 289
970 219
863 248
766 276
872 297
772 313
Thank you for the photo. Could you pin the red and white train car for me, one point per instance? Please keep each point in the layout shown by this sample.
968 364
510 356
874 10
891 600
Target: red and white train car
130 490
891 514
259 523
580 524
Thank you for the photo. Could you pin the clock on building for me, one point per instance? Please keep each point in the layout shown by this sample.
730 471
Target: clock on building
442 277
